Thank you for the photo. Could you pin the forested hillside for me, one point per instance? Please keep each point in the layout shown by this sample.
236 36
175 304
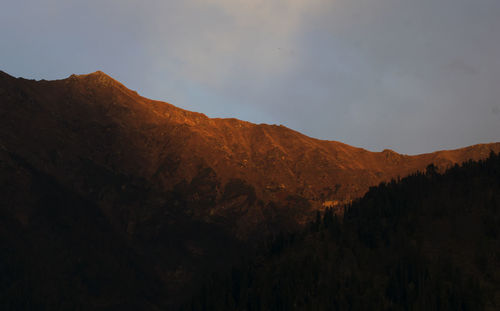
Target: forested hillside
427 242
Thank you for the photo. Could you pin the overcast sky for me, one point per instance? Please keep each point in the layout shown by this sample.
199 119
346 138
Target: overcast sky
410 75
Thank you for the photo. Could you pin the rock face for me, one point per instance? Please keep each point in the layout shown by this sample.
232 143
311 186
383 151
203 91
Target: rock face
171 182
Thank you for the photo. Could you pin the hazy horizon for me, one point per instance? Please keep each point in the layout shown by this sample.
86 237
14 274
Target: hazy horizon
410 76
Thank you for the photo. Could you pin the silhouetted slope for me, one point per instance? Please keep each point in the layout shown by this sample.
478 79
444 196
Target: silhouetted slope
428 242
59 252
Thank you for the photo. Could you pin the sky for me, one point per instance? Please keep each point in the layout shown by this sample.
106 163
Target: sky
412 76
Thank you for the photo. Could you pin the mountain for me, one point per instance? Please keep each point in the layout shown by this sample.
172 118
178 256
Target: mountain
64 126
90 170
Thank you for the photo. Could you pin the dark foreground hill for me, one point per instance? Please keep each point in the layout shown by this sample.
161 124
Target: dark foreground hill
111 200
428 242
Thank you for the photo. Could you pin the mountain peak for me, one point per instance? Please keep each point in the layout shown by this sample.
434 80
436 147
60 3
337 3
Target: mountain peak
97 77
99 73
96 74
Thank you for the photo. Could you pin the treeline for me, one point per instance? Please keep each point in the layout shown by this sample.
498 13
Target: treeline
429 241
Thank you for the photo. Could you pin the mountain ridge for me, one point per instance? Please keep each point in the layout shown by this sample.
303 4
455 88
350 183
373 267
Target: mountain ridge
233 148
